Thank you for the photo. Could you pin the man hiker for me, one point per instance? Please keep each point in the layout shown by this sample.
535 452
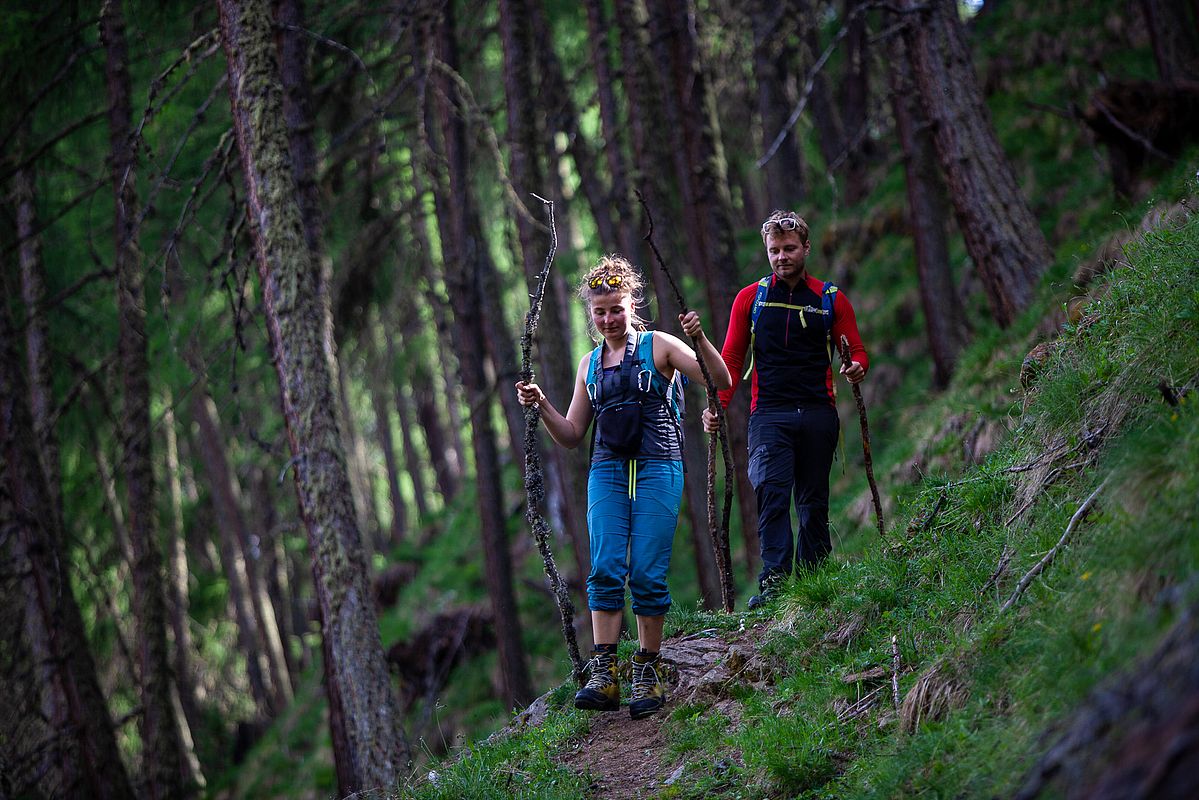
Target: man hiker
788 322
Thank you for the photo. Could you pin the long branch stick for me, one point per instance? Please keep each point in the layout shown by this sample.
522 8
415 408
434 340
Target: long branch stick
1053 551
534 478
857 396
719 532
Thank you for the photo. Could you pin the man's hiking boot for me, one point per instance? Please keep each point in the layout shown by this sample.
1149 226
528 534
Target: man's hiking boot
768 592
602 692
649 693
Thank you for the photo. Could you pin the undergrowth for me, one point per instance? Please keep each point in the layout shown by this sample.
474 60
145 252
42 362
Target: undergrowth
982 687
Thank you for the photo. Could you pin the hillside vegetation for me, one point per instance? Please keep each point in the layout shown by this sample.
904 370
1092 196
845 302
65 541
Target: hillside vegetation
1112 414
1074 428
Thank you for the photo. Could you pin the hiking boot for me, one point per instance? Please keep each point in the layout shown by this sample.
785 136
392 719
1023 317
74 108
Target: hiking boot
649 693
768 591
602 691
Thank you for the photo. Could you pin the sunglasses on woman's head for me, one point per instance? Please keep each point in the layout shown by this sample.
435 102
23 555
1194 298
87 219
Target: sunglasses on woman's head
784 224
610 280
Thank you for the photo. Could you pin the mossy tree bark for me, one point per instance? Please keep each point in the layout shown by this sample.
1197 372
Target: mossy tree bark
80 749
373 752
1002 235
928 209
164 767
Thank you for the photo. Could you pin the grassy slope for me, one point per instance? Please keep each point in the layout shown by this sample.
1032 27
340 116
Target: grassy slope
1009 676
1095 609
1091 613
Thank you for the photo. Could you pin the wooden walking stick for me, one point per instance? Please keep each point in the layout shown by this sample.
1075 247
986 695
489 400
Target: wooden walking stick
534 478
857 396
719 533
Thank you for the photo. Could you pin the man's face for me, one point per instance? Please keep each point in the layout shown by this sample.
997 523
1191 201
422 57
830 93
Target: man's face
787 255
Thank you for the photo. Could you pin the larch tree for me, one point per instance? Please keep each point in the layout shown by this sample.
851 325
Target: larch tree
784 171
701 175
164 767
78 756
373 752
1002 235
855 101
928 212
460 249
526 141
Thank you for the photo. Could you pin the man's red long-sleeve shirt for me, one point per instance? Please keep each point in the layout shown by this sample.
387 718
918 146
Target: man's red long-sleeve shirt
791 358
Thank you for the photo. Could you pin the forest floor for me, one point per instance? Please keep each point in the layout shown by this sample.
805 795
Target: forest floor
625 758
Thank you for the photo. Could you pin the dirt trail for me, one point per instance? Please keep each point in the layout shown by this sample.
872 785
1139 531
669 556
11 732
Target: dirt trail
629 759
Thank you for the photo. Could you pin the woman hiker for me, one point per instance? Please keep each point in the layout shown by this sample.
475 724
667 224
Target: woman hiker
630 385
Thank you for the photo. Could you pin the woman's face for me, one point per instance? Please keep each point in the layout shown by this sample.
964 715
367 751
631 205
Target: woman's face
612 313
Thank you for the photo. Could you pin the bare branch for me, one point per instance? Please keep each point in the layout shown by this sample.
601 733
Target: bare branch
810 79
477 117
41 93
1053 551
77 125
718 532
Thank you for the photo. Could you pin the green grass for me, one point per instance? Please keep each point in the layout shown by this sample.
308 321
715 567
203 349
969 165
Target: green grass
1105 600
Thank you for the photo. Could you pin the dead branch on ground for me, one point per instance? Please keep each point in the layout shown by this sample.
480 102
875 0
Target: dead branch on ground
1053 551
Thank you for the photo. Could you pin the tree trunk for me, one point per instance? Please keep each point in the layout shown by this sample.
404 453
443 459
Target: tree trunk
567 477
177 590
360 477
698 156
944 317
564 117
37 331
459 248
613 148
380 395
1174 34
1002 235
855 103
262 651
404 410
444 448
279 587
363 707
784 171
702 178
830 136
82 750
163 764
292 48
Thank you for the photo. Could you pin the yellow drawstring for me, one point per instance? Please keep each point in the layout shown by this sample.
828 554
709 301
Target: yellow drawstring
632 479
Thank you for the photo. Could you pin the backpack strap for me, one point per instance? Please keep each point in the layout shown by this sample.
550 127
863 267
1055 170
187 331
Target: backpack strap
828 298
673 390
627 364
755 311
593 368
